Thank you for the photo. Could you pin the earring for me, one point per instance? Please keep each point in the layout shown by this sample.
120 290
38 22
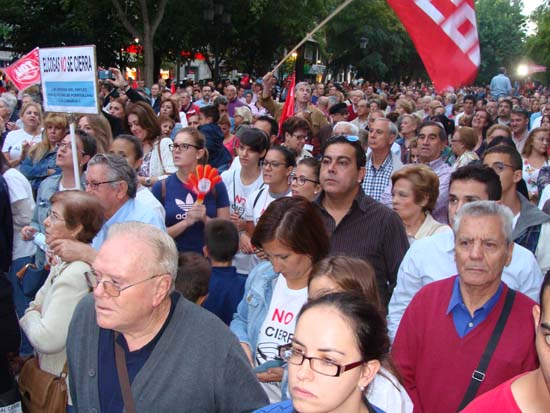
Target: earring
362 388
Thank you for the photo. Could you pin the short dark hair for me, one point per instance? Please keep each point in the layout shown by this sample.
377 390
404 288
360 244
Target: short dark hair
220 100
256 139
313 164
296 223
222 239
193 275
81 208
471 98
290 159
295 123
512 152
137 146
272 122
212 112
480 173
520 111
360 156
340 108
508 102
440 126
89 145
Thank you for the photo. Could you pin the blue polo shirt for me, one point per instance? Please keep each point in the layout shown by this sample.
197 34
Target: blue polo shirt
463 321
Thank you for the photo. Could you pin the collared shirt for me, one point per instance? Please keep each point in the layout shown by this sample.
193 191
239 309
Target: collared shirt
463 321
377 180
370 231
520 140
132 210
443 172
433 258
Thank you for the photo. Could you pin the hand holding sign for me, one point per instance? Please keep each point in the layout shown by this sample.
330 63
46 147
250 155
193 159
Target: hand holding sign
203 181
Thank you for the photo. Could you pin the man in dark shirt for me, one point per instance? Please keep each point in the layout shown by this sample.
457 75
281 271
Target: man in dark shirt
359 226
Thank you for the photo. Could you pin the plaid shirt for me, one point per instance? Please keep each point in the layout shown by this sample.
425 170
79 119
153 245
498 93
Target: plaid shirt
377 180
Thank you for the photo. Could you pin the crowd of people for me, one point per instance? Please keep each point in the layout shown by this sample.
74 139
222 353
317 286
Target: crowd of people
384 249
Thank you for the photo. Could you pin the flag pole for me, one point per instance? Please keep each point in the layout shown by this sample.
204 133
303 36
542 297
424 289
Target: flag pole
311 33
74 150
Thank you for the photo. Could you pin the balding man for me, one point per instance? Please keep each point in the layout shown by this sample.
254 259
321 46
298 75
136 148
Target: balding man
136 343
234 102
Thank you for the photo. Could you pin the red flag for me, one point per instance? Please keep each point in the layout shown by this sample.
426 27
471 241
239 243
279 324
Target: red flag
26 71
288 108
445 35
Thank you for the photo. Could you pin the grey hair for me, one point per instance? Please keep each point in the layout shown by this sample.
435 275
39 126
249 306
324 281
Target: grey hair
161 244
353 129
391 126
10 101
301 84
487 208
118 170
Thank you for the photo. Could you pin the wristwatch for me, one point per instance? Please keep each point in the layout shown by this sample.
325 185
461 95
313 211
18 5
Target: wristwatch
148 181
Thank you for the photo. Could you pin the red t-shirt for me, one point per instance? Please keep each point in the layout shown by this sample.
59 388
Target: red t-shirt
500 399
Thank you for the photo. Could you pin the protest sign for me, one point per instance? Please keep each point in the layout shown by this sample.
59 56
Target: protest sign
25 72
69 79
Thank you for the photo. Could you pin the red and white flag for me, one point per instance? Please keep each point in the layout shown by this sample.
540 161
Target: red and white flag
26 71
288 108
445 35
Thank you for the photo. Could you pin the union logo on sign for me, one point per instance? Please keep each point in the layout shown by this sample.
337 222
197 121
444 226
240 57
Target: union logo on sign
27 71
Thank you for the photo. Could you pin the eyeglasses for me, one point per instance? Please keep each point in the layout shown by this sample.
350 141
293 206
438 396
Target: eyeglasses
272 164
110 287
182 147
300 179
54 217
499 167
299 137
324 367
95 185
67 145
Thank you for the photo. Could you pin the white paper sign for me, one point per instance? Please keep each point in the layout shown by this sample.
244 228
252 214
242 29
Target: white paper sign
69 79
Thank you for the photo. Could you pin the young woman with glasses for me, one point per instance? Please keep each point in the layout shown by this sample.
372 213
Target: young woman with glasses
185 218
336 351
304 181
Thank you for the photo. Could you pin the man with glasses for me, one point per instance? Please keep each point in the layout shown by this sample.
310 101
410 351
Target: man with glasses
114 182
359 226
531 225
135 332
447 326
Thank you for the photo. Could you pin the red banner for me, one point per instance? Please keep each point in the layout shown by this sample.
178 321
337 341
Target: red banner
26 71
288 108
445 35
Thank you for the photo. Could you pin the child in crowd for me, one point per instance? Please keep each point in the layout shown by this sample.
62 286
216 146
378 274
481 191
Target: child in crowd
166 126
193 277
226 287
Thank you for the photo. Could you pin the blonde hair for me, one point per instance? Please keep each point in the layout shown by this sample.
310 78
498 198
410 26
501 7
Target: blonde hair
102 131
59 120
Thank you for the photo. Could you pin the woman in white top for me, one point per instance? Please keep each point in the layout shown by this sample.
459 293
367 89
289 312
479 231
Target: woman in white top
535 156
240 183
75 215
19 141
415 189
346 274
158 163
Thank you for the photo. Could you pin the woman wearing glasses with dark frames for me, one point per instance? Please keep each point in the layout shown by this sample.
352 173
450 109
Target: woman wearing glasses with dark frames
335 353
304 181
75 215
185 219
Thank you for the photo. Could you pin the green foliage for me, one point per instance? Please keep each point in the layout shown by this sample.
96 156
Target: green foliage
501 29
538 44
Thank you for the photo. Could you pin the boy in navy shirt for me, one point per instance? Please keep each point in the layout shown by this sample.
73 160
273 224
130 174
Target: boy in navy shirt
226 287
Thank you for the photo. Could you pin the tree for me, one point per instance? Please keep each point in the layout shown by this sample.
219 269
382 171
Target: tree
538 44
142 19
501 30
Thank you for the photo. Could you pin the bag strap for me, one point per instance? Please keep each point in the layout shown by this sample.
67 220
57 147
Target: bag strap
124 381
257 197
160 158
479 374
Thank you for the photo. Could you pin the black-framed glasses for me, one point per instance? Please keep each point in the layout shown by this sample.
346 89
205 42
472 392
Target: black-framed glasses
499 167
67 145
110 287
271 164
182 147
324 367
95 185
54 217
301 180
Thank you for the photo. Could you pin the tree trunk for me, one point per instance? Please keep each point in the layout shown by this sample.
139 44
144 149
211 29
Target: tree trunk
148 60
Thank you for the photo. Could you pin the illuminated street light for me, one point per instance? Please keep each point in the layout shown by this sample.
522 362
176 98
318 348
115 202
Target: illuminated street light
522 70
